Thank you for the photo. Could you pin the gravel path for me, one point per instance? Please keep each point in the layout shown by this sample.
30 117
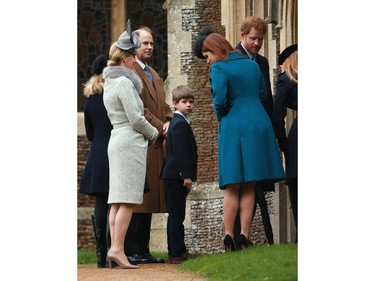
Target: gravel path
145 272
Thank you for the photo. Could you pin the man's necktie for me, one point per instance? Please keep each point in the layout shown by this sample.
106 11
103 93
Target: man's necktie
148 73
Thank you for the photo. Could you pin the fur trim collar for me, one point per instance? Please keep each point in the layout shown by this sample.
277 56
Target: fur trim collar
117 71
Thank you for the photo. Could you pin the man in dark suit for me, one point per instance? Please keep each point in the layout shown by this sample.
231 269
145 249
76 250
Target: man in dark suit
179 172
253 30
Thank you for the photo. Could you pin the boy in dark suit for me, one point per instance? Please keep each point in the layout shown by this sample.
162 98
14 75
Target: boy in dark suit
179 172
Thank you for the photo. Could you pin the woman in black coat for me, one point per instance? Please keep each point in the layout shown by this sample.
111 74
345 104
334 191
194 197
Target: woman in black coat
95 177
287 97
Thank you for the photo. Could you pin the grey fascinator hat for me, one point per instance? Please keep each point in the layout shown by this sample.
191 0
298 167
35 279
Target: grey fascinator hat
128 41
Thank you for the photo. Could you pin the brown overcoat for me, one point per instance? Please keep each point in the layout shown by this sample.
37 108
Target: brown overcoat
157 112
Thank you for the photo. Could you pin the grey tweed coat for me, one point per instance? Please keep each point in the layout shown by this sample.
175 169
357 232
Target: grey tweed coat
130 136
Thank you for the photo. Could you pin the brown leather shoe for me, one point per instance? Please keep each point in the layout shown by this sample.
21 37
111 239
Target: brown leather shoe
186 256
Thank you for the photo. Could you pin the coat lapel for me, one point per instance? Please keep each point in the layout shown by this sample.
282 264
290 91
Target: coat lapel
146 82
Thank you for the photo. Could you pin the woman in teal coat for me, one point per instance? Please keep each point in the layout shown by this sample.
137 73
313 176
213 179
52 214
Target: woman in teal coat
247 146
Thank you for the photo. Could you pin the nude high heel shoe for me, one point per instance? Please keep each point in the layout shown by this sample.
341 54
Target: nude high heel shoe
112 258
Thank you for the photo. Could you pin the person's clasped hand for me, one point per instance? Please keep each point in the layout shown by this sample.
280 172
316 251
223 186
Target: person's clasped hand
188 184
165 129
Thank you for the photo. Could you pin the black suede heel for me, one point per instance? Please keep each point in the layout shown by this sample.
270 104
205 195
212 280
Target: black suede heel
229 244
243 242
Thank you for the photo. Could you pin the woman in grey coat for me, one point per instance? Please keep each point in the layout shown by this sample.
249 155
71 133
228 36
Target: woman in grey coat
130 137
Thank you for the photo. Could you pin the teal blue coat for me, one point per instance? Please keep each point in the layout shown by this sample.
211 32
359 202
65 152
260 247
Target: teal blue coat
247 146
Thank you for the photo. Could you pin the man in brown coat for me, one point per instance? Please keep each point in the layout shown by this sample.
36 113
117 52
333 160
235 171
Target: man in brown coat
159 114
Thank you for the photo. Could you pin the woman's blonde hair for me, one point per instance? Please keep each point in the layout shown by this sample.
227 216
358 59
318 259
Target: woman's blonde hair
116 54
290 66
93 86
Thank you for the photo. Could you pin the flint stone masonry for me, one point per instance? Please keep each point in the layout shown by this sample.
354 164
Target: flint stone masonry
204 227
206 219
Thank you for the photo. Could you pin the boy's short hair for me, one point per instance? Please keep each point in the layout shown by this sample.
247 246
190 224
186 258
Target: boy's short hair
182 92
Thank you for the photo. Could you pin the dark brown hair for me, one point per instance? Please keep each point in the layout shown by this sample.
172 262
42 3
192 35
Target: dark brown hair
182 92
143 27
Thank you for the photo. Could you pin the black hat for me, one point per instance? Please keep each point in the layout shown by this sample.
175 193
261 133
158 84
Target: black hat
98 65
286 53
198 44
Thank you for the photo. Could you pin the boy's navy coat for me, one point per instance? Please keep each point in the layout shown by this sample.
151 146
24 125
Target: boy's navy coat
181 151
